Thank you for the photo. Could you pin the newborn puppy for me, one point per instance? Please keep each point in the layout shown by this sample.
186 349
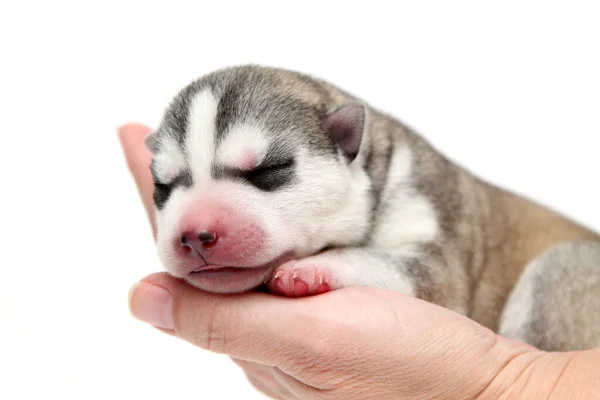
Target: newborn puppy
268 176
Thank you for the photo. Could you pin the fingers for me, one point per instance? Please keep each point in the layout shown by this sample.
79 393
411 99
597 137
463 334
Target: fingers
138 158
300 390
252 326
262 377
264 388
276 382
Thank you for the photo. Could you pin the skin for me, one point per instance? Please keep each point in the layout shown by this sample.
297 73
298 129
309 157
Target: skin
355 343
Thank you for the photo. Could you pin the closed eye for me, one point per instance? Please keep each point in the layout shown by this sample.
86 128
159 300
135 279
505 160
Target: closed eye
271 176
271 167
162 192
162 186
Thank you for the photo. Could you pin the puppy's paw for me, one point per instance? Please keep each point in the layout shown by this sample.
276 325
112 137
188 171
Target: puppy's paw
300 278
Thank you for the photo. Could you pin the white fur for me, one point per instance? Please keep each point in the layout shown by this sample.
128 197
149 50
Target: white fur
239 141
327 204
167 222
409 222
410 217
201 136
170 161
519 305
359 267
198 158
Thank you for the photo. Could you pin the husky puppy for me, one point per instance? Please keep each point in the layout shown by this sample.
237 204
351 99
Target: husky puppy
269 176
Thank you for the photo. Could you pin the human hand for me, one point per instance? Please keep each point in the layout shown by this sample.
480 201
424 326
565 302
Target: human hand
350 343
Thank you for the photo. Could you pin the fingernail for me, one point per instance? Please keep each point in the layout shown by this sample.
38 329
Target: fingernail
152 304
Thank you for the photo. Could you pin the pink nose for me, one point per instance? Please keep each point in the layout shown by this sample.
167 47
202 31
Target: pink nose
195 244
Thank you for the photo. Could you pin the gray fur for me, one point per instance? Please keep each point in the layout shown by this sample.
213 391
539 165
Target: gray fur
487 235
556 303
256 95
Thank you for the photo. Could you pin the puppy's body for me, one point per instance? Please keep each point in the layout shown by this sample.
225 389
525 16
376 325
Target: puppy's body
267 175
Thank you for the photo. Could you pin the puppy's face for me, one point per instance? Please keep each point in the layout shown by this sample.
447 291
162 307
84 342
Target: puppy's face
249 175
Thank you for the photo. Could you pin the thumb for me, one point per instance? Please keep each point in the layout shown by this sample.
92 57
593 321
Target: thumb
251 326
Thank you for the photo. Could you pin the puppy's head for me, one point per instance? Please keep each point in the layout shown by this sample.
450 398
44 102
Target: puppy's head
252 167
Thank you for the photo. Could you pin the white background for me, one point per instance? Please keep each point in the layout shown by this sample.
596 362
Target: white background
511 91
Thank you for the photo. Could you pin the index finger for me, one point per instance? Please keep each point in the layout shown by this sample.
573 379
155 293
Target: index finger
132 137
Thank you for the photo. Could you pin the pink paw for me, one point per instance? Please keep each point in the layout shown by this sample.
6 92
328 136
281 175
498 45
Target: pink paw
302 281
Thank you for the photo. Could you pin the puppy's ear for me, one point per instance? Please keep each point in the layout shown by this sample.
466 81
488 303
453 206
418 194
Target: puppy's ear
346 126
152 142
